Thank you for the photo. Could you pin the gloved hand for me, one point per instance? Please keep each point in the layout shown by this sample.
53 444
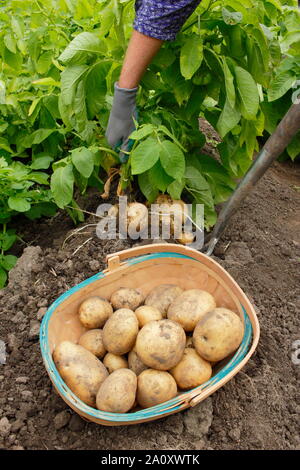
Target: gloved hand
120 123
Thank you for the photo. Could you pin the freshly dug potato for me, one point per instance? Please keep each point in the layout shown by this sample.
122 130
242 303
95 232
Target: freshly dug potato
145 314
155 387
120 332
117 393
162 296
217 334
186 238
137 216
113 362
125 297
190 306
135 363
160 344
192 370
93 342
80 369
94 311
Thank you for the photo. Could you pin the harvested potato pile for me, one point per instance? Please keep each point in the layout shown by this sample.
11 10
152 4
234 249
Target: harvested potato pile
141 351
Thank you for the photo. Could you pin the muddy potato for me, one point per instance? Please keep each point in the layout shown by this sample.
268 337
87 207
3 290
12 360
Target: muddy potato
81 370
192 370
155 387
120 332
135 363
218 334
117 393
162 296
189 307
145 313
160 344
92 341
94 311
126 297
113 362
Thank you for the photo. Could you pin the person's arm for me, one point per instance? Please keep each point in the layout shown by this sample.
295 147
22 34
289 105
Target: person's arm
155 22
139 54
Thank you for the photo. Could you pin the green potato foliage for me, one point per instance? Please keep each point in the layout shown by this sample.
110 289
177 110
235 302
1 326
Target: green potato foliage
234 63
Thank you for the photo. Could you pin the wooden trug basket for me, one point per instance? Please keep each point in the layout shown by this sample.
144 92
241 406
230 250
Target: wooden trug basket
145 267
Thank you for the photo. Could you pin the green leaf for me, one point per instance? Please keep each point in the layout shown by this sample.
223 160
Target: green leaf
172 159
145 155
231 17
280 85
142 132
3 277
41 163
62 181
82 45
19 204
191 56
248 93
228 119
147 188
39 177
69 80
95 87
83 160
175 189
7 240
230 90
158 177
293 149
8 262
10 43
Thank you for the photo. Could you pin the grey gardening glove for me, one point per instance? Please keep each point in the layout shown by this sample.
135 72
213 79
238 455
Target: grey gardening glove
120 123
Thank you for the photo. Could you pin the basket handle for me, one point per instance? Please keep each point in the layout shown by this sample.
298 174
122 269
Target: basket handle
113 260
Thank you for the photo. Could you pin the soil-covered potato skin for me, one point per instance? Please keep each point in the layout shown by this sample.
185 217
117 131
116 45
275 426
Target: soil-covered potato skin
117 393
162 296
120 332
188 308
218 334
256 410
80 370
160 344
155 387
126 297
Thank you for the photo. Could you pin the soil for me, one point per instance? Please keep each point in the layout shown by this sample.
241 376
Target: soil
258 409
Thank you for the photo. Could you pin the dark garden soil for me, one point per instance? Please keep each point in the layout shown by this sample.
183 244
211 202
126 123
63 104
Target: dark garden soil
258 409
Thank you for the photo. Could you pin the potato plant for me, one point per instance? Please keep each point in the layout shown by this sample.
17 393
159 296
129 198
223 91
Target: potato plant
236 64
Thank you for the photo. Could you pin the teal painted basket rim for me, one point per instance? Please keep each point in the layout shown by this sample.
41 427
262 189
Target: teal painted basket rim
148 413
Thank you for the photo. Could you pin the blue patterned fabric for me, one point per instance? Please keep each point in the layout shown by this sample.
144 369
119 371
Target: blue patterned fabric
162 19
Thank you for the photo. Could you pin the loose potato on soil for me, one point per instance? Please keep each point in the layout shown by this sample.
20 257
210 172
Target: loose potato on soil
113 362
80 369
137 216
218 334
145 313
190 306
155 387
160 344
117 393
162 296
120 332
92 341
125 297
192 370
94 311
135 363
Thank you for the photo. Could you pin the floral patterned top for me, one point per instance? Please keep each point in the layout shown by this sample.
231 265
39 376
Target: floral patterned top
162 19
